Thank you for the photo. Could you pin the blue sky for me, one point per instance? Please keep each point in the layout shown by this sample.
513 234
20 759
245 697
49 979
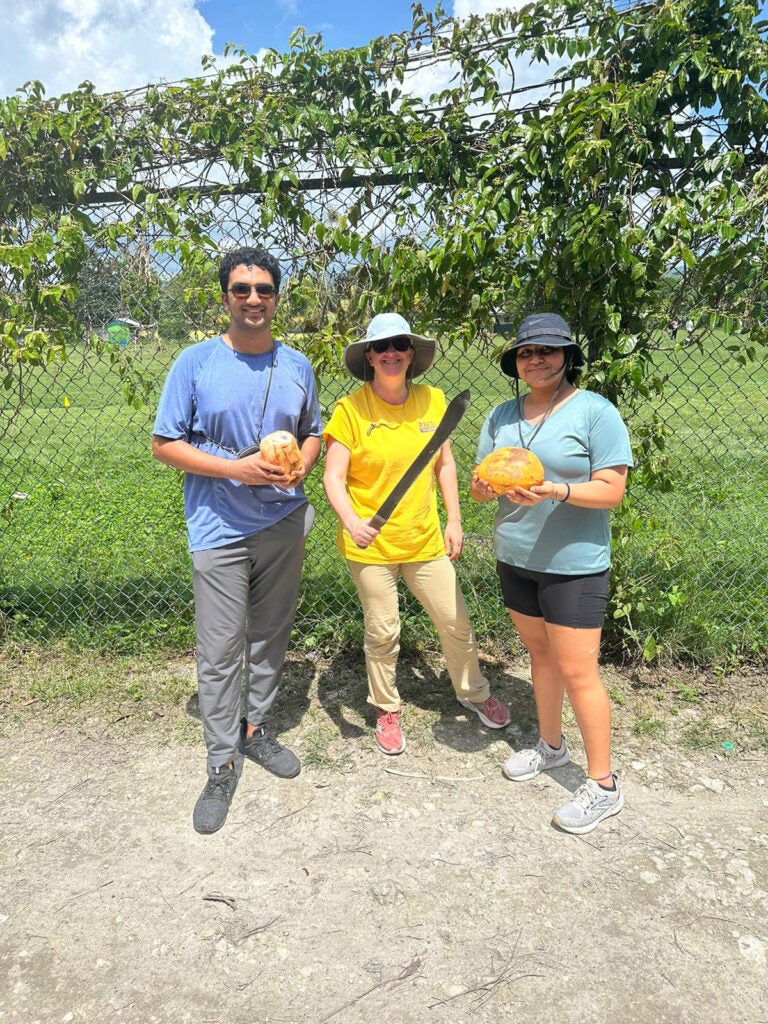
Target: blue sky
342 23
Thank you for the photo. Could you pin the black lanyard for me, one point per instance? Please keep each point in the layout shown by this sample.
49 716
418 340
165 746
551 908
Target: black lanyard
252 448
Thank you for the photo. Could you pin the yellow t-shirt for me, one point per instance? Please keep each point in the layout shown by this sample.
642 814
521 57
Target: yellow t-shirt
383 440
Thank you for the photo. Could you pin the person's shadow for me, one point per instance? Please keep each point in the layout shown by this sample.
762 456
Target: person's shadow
461 729
342 690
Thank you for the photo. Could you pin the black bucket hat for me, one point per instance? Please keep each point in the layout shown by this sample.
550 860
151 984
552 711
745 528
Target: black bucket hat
541 329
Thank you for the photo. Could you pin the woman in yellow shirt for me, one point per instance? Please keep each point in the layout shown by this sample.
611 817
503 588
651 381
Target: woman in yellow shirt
372 437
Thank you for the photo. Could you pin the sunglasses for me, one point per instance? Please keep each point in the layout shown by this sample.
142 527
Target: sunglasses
539 350
241 290
381 345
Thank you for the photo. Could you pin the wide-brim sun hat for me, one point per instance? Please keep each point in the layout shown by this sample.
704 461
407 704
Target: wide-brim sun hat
389 325
541 329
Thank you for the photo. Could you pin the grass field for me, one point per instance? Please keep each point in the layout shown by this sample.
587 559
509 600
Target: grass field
93 547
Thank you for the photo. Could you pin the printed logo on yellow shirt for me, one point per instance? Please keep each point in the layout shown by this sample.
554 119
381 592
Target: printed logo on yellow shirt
427 427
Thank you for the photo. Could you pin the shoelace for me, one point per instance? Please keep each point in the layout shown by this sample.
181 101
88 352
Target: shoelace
539 754
585 796
271 745
218 780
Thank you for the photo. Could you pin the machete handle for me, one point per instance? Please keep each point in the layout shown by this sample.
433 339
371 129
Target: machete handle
376 522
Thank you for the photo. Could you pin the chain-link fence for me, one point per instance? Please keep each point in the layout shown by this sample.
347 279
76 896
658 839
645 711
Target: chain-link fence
318 158
93 544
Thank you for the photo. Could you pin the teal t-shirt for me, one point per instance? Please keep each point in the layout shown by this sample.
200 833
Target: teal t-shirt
583 435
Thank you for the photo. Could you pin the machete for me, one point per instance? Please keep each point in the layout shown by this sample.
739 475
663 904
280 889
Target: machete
453 413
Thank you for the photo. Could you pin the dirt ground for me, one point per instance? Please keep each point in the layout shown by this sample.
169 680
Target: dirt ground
410 889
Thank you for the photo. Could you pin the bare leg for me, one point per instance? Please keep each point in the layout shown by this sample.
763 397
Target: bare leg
548 687
564 659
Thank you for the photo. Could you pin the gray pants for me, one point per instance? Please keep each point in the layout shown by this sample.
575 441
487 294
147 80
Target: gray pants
245 604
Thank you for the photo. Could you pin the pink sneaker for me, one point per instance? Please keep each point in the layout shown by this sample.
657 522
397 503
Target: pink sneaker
389 736
491 712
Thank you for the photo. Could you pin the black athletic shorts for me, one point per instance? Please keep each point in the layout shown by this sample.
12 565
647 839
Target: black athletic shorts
576 601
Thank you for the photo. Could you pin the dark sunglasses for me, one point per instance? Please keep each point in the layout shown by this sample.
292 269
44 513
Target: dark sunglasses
381 345
241 290
537 350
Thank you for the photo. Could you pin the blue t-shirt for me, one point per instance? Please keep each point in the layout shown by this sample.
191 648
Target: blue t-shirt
222 401
583 435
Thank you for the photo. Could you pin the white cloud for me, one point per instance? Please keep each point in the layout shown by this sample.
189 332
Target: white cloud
463 8
527 72
425 81
116 44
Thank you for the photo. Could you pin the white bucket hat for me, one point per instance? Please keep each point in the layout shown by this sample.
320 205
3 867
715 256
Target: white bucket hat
389 325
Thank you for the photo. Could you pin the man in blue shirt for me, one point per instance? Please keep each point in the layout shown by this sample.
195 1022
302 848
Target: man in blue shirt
247 520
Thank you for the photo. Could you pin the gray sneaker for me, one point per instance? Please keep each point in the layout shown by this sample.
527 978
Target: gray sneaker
212 805
587 807
267 752
526 764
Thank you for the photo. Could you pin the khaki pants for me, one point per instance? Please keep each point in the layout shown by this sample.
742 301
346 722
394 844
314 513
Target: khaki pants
435 586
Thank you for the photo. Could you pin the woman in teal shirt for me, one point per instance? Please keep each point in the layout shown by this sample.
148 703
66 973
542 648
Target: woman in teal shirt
552 546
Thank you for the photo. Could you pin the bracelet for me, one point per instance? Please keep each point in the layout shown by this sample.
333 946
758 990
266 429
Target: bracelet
567 494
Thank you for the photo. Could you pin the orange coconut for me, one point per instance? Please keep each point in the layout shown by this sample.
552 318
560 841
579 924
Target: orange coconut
506 468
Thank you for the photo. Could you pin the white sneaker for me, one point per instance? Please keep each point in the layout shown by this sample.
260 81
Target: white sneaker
526 764
588 806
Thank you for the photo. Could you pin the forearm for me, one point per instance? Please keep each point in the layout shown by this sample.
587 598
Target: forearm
310 452
252 470
591 494
338 498
449 490
335 483
334 480
183 456
601 492
604 490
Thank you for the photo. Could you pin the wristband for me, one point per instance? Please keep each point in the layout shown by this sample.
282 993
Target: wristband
567 494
